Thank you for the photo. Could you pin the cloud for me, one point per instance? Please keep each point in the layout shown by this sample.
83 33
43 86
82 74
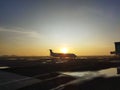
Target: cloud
28 33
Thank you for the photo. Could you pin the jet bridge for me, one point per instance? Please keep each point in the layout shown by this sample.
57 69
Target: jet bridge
117 49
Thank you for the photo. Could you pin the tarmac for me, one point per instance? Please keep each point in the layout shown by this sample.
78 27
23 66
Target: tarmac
12 81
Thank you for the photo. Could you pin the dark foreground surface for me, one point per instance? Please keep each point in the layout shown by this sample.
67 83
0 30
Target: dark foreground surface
51 78
100 83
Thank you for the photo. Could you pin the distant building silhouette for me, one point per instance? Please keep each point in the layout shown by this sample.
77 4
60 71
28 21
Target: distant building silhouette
117 49
62 55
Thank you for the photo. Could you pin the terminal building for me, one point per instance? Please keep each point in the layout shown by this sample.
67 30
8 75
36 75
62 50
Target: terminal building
117 49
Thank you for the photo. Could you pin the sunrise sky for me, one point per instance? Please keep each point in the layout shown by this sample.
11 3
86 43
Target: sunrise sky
84 27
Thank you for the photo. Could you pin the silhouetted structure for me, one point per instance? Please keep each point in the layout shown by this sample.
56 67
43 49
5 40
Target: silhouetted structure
118 70
62 55
117 49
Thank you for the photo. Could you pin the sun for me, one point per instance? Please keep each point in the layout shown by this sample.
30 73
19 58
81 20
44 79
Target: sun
64 50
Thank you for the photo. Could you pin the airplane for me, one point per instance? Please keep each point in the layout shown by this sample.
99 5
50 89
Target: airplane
62 55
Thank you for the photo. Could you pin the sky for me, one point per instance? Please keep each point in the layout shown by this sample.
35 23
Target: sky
84 27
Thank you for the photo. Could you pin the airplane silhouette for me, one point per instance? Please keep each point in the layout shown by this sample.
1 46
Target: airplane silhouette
62 55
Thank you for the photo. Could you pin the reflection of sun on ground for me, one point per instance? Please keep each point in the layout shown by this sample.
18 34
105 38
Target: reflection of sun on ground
64 50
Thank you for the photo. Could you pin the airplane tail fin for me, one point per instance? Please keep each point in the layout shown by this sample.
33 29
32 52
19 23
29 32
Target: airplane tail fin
51 52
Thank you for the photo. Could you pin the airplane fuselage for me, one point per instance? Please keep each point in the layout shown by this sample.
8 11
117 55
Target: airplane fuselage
62 55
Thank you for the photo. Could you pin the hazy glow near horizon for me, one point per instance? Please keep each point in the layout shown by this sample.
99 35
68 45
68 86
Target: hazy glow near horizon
85 27
64 50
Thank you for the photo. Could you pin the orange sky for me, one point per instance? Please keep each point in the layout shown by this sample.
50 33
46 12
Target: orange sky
43 51
84 27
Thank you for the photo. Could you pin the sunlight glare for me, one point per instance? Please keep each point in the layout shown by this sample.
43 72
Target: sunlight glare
64 50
